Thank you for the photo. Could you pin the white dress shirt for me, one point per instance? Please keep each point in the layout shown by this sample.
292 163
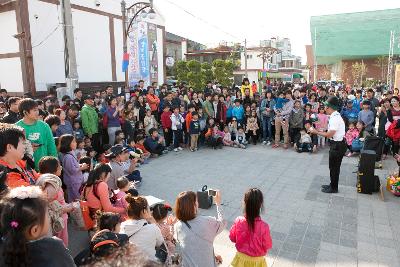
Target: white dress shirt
336 123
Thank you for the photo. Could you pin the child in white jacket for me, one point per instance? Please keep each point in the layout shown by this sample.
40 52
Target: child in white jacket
177 128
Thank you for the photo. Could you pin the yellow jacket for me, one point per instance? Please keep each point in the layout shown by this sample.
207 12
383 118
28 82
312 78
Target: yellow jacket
244 87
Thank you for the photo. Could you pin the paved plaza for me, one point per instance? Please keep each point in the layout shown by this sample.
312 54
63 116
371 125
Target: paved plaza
309 228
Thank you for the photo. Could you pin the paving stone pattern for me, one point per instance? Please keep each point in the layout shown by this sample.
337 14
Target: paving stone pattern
308 228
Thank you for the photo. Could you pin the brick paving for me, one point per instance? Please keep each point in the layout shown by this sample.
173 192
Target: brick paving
309 228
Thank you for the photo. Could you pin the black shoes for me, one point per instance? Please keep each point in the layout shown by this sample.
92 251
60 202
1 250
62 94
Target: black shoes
325 186
329 190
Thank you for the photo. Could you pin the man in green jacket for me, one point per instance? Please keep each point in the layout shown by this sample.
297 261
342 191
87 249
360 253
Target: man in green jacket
36 131
90 122
208 107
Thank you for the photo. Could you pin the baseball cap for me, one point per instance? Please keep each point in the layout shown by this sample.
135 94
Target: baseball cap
116 150
86 97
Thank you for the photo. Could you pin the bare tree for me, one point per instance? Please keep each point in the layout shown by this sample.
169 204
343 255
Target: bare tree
267 53
382 62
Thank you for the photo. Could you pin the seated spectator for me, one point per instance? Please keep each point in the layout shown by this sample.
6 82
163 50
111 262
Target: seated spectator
97 193
304 143
250 233
141 226
105 241
197 233
121 165
154 143
25 227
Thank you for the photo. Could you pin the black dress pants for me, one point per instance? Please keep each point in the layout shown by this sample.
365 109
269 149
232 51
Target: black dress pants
336 153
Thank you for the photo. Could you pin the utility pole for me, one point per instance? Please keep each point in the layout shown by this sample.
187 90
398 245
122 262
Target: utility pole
71 71
245 58
315 55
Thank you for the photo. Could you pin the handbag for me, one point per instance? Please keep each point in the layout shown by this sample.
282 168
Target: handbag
162 253
357 145
81 216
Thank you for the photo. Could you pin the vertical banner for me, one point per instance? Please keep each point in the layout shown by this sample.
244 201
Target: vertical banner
153 51
133 68
143 53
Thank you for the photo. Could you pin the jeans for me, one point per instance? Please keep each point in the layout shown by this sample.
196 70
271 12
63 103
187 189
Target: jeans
177 137
266 127
111 134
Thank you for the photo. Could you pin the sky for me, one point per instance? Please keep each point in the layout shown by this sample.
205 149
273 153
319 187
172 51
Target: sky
211 21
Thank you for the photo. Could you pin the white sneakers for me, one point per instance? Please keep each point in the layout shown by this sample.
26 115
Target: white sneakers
178 149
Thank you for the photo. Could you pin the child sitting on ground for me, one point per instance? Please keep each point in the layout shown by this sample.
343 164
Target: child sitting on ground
314 137
124 186
240 138
351 134
227 140
137 153
213 136
233 128
120 138
305 142
358 142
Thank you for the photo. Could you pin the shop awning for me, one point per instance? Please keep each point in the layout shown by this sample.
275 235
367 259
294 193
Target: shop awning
297 76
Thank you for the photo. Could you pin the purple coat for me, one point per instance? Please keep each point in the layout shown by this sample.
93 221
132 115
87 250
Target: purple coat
72 175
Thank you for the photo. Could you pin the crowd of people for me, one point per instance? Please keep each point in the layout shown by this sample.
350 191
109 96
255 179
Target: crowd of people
55 152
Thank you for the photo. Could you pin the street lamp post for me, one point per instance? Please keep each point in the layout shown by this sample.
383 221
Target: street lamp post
139 8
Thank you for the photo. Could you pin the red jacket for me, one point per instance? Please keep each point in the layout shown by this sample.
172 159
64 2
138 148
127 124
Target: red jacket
166 120
221 112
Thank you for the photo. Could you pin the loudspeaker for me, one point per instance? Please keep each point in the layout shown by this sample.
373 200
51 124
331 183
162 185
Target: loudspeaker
366 172
205 201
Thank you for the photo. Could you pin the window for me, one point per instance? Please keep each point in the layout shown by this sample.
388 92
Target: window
249 56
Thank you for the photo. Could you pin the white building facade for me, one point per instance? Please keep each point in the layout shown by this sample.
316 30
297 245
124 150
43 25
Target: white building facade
35 59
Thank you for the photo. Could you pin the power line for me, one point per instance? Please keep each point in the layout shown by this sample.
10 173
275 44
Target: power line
202 20
52 32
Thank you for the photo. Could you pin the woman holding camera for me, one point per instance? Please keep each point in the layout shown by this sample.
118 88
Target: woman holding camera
196 233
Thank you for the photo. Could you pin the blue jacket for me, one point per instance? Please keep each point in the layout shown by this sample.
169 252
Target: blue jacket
238 112
350 114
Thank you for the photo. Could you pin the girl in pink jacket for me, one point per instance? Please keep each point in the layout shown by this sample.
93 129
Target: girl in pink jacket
250 233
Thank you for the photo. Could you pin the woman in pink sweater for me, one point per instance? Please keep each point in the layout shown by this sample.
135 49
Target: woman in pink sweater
97 193
250 233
